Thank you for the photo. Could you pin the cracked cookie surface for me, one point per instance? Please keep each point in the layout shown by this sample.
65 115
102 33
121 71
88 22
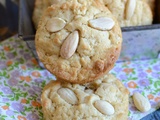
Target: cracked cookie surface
93 51
66 101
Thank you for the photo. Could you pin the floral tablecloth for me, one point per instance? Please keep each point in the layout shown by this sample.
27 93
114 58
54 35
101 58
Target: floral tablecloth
22 80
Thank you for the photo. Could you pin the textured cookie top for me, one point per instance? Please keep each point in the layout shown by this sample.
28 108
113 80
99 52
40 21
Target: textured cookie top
104 99
40 6
130 12
78 41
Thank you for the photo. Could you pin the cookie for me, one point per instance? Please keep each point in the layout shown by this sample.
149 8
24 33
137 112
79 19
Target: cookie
78 41
37 12
39 8
130 12
151 3
104 99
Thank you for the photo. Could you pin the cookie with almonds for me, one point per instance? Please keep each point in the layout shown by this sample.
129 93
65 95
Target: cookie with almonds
103 99
130 12
40 6
78 41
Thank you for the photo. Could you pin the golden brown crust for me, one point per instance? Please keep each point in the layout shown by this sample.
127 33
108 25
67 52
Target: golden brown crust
97 50
108 88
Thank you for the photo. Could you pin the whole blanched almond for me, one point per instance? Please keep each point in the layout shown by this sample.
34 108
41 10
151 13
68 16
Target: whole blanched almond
69 45
55 24
130 8
104 107
68 95
102 23
141 102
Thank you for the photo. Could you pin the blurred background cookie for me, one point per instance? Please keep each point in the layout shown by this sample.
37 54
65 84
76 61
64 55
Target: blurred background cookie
130 12
78 41
40 6
104 99
151 3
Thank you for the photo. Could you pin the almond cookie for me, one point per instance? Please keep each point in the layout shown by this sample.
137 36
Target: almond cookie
78 41
39 8
130 12
103 99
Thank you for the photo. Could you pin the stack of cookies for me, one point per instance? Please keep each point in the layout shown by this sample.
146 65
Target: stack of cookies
79 41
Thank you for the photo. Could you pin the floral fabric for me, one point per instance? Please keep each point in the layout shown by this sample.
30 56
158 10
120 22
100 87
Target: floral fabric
22 81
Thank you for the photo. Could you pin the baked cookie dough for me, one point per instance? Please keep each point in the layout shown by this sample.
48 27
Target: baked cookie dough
78 41
104 99
130 12
151 3
40 6
37 11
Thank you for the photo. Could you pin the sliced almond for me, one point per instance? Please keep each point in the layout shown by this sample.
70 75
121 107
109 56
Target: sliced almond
68 95
55 24
102 23
130 8
141 102
104 107
69 45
